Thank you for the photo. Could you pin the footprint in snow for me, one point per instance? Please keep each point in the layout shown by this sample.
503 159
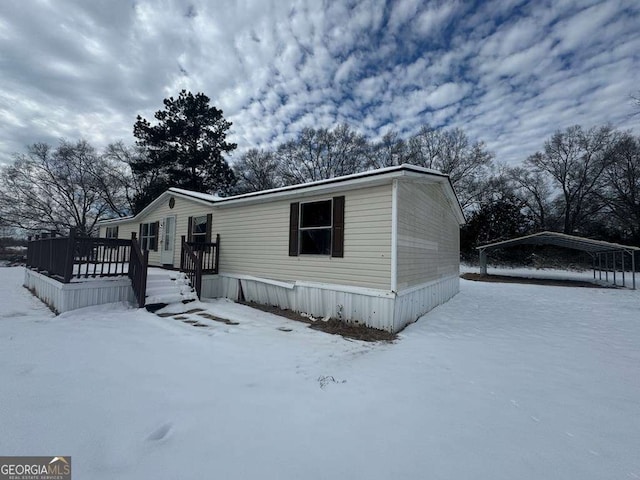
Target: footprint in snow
160 433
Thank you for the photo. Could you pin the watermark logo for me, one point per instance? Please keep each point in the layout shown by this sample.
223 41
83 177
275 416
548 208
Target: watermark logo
35 468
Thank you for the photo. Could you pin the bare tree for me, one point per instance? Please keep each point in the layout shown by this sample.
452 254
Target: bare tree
257 170
56 189
116 178
451 152
532 188
389 151
576 161
622 191
322 153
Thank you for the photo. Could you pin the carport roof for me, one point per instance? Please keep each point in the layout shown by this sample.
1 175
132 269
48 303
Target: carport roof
561 240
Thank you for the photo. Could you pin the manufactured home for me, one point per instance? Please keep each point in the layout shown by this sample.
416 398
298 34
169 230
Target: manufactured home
379 248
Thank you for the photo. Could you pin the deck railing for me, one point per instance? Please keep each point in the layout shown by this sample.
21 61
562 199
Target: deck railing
75 257
197 258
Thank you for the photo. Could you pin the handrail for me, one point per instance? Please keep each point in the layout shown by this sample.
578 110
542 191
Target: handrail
191 265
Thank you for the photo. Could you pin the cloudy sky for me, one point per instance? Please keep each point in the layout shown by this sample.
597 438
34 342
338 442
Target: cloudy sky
508 72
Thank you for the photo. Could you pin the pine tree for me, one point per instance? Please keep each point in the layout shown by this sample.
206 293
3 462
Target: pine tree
184 149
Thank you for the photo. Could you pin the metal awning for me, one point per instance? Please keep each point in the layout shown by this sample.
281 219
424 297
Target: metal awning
596 248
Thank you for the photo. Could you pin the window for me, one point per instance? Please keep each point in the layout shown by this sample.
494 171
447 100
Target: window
149 236
111 232
317 228
199 229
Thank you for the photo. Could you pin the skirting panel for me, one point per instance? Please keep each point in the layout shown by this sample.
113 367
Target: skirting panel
379 309
414 302
63 297
220 286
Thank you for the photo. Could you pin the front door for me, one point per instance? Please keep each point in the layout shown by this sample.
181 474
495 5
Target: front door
169 240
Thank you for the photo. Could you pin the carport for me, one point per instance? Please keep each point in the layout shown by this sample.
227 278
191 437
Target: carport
606 256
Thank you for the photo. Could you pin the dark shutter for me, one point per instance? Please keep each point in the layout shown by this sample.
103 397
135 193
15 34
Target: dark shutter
293 229
157 235
190 230
209 222
116 232
140 236
337 234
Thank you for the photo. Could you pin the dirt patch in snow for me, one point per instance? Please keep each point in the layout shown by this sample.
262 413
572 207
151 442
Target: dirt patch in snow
333 325
476 277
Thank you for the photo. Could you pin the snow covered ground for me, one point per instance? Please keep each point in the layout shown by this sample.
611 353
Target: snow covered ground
556 274
505 381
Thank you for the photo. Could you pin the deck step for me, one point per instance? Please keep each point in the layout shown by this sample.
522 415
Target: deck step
164 289
168 286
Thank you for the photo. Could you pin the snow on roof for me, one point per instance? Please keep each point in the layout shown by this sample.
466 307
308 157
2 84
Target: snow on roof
344 180
202 196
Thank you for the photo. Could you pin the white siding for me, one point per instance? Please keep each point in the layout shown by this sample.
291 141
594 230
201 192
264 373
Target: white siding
182 209
254 240
428 235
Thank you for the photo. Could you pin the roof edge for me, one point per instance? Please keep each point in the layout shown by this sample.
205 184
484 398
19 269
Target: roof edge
355 178
606 246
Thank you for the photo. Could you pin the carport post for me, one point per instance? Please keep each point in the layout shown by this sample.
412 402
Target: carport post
606 266
624 284
593 263
613 254
483 262
633 268
599 266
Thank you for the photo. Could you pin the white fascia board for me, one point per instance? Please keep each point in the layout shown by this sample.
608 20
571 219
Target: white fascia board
111 221
371 178
306 191
149 208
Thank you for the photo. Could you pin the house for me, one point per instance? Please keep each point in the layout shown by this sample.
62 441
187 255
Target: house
379 248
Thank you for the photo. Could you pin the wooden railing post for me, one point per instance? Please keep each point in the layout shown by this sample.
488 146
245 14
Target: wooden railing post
138 261
184 240
215 270
199 273
143 279
68 261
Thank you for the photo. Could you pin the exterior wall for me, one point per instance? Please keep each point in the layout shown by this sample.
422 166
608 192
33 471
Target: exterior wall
428 235
62 297
412 303
182 209
254 240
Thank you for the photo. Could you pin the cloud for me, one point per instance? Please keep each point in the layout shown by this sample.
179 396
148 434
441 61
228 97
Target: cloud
509 73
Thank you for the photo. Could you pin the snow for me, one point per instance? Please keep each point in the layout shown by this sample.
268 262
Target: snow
504 381
167 286
557 274
202 196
